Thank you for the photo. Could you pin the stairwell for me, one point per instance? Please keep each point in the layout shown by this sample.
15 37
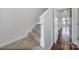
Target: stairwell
26 43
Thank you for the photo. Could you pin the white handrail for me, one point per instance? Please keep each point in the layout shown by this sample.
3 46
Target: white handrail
44 14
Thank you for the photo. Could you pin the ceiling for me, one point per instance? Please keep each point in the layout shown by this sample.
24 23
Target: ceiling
62 12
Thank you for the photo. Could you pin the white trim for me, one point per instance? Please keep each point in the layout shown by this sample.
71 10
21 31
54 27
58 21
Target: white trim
50 46
16 39
41 22
42 43
44 13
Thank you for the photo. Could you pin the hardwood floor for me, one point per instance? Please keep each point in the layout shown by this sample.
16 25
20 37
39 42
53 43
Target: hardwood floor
62 45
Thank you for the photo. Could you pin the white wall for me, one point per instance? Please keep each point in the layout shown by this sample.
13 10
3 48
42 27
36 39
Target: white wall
78 28
15 22
74 25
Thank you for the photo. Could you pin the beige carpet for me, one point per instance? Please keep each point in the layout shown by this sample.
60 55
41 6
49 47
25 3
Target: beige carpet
27 43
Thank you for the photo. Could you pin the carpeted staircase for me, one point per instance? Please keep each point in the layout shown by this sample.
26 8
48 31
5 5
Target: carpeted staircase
27 43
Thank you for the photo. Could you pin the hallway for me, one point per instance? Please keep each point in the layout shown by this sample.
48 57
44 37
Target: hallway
63 42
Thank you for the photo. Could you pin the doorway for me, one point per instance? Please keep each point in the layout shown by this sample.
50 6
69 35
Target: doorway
63 35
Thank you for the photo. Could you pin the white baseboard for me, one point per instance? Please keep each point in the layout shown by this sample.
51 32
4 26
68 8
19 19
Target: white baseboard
19 38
